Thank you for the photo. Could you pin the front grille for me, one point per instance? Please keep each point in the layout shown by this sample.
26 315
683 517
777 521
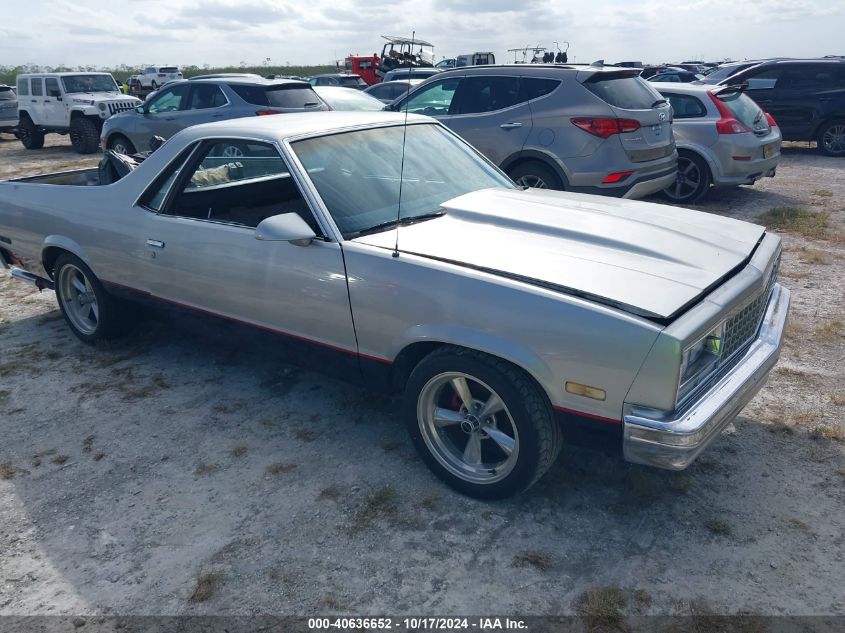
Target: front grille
743 326
120 106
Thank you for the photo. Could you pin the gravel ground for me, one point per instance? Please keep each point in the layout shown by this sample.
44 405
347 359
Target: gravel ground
186 473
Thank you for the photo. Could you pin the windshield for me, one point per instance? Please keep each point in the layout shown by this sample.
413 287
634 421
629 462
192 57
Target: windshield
351 82
361 193
89 83
348 99
723 73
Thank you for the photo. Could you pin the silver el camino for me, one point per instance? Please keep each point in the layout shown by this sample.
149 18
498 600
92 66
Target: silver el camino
512 320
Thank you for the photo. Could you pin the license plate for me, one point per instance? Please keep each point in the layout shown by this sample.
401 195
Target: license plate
770 150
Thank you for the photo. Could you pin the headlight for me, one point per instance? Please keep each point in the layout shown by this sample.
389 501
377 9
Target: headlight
102 106
699 360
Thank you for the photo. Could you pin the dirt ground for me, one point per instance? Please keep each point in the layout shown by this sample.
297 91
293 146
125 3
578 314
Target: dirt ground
177 474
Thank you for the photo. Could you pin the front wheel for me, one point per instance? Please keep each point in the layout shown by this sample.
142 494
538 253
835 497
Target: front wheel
482 425
89 310
84 135
154 85
832 138
692 182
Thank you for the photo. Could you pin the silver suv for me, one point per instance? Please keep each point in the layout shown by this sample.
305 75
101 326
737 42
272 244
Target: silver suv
589 129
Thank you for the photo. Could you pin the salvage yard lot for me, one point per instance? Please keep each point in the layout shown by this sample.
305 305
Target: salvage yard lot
179 472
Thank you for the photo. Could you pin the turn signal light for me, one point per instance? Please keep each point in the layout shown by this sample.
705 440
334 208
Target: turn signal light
617 176
585 390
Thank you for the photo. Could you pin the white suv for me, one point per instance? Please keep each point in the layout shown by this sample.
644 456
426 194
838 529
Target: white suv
154 77
74 103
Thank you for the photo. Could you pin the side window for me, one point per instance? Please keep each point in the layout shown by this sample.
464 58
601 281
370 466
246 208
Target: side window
764 80
533 88
37 86
23 87
205 96
169 100
487 93
155 196
685 106
397 90
434 100
149 71
807 78
53 87
240 183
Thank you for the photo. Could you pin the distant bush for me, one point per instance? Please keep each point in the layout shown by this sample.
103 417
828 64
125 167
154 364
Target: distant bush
120 73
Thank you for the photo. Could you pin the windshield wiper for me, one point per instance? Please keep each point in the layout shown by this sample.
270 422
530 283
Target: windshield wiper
658 102
383 226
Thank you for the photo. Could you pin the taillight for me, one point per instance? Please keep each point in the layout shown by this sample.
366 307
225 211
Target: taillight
266 112
617 176
605 127
771 120
728 123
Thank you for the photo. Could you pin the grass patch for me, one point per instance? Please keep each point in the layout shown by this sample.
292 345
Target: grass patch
780 427
280 469
329 602
88 444
229 407
532 558
429 501
717 526
305 435
838 399
60 459
829 332
680 483
642 597
601 609
825 432
813 256
239 450
798 524
810 224
822 193
98 456
4 396
206 586
332 492
379 504
157 383
204 468
790 372
7 471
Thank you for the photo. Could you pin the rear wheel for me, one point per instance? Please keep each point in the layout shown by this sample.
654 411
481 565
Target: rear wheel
154 85
84 135
535 175
121 144
832 138
693 179
30 136
89 310
481 425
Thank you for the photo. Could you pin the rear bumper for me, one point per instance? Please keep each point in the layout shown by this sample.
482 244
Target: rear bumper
639 187
673 443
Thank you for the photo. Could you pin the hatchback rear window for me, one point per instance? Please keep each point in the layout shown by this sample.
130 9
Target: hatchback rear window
742 107
623 91
169 69
289 96
351 82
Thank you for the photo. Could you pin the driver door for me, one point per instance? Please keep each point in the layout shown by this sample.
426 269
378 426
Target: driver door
54 107
202 252
165 114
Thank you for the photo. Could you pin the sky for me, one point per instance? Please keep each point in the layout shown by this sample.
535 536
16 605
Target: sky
299 32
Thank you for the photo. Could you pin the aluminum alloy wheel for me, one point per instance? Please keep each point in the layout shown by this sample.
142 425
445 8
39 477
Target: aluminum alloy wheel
120 147
833 139
532 182
688 180
467 428
78 299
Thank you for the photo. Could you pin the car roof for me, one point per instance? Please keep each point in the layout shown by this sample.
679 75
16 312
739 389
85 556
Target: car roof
534 69
64 74
249 81
296 124
336 75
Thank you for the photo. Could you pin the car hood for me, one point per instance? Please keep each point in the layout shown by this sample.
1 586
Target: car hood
650 259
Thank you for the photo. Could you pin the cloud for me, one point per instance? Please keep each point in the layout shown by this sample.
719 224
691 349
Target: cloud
238 13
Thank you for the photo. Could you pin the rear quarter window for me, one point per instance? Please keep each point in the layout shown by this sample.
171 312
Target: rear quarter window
685 106
626 92
534 88
23 87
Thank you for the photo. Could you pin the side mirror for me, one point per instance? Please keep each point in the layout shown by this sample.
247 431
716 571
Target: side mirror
141 109
285 227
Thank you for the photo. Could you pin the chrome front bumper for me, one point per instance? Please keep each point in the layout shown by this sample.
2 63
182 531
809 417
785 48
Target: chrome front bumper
674 442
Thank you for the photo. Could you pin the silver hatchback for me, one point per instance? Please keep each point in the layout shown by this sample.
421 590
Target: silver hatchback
181 104
724 139
589 129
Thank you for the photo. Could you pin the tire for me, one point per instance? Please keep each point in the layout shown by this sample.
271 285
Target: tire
536 175
468 452
121 144
831 140
91 312
153 85
693 181
84 135
30 136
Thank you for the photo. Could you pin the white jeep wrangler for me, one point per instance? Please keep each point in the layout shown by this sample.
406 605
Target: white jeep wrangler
75 103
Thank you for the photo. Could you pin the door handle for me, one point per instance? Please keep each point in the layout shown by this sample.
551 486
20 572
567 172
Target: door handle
510 126
155 243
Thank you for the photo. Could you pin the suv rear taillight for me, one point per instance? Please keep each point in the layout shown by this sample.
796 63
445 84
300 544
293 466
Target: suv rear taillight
728 124
771 120
605 127
266 112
